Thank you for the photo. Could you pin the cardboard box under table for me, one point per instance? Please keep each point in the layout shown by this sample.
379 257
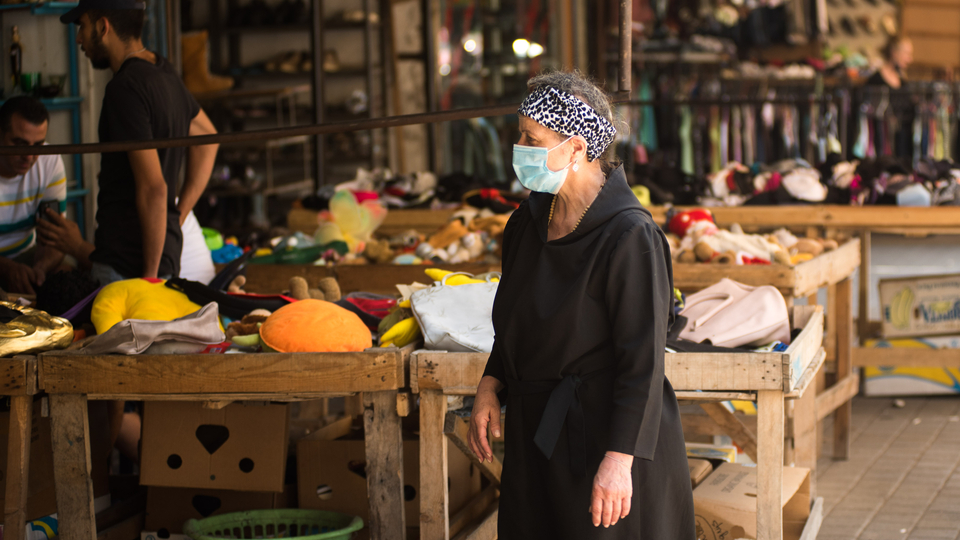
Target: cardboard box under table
770 379
218 380
726 504
237 447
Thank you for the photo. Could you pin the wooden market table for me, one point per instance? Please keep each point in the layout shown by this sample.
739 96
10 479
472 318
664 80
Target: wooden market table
770 379
832 270
18 380
218 379
864 221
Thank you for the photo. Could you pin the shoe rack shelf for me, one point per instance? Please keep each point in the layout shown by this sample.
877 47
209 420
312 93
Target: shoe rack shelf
318 65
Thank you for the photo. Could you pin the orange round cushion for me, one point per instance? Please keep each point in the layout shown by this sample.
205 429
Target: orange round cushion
314 326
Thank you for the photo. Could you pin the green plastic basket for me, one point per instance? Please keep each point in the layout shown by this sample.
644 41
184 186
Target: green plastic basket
282 523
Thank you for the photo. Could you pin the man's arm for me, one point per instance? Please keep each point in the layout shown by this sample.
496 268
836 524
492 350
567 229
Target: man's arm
200 160
151 199
45 260
57 233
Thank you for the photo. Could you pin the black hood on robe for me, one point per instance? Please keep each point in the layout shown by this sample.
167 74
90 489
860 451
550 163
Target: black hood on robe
615 197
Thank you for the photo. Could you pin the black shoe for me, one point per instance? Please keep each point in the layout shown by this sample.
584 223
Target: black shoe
847 26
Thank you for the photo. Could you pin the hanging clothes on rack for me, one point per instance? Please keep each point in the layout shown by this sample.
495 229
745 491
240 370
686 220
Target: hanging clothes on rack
686 141
736 129
749 135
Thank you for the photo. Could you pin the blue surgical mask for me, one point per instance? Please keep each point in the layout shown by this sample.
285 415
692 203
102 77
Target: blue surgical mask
530 163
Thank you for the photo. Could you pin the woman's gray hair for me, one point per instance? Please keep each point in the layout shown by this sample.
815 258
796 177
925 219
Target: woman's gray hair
585 88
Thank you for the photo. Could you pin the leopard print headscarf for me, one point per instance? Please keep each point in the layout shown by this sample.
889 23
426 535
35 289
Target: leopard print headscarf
568 115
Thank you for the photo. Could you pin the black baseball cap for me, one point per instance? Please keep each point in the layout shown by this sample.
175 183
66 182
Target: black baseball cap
74 14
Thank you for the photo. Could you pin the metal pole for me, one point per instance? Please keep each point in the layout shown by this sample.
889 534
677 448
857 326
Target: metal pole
316 48
626 46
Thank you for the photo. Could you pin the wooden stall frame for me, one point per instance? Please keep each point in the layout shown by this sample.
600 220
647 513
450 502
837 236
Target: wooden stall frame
768 378
864 221
376 374
832 270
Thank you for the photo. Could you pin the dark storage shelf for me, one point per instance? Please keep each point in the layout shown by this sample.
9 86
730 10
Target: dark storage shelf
267 29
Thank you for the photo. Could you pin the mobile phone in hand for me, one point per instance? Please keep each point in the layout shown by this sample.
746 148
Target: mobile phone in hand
51 204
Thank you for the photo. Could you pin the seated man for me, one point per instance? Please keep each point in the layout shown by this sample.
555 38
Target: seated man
25 182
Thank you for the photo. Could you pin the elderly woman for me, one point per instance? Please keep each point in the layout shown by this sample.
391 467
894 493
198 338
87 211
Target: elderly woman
581 319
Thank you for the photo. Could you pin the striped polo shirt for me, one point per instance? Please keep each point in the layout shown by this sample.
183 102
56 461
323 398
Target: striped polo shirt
20 199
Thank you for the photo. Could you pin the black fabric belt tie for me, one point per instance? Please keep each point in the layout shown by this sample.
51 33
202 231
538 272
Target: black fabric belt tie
563 406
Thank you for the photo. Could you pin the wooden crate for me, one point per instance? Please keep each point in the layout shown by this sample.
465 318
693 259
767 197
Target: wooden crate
802 280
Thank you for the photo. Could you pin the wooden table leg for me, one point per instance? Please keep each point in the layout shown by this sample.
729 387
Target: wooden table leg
805 434
770 465
830 339
384 454
70 436
434 500
18 467
843 417
863 316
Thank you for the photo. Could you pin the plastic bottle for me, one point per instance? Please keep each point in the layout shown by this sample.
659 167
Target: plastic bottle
16 57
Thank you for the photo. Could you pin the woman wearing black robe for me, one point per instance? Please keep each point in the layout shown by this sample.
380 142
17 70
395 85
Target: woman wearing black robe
593 435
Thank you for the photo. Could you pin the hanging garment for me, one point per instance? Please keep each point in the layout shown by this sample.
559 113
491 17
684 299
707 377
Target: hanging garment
737 130
863 137
686 142
872 138
749 136
944 132
701 150
715 139
724 137
833 134
917 136
932 144
648 120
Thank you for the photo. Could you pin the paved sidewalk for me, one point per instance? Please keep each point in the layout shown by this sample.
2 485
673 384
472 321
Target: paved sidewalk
903 479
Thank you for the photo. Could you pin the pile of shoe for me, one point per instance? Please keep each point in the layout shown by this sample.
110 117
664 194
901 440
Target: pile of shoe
290 62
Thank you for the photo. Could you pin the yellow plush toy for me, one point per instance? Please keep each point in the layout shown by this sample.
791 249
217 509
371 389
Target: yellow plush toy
144 299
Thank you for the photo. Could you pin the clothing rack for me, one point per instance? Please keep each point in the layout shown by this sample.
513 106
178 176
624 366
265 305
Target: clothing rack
721 121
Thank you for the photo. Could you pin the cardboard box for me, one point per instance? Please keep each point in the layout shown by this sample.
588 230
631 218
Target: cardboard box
699 470
726 503
337 468
240 447
169 508
912 381
41 495
920 306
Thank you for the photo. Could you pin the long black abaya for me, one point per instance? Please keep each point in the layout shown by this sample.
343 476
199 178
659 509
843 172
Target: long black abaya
581 324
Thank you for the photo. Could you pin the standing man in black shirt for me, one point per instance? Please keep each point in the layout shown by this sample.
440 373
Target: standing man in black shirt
139 215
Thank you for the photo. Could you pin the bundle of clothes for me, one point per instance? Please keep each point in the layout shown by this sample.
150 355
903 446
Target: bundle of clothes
881 181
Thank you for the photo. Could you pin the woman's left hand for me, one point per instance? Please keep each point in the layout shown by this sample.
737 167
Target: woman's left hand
612 489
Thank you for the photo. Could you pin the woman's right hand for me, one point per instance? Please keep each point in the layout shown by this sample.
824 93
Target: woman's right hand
486 413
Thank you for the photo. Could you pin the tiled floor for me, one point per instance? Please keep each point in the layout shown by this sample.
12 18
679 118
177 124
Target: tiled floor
903 479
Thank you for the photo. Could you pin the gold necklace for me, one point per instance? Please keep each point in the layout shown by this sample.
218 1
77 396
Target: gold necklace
553 205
